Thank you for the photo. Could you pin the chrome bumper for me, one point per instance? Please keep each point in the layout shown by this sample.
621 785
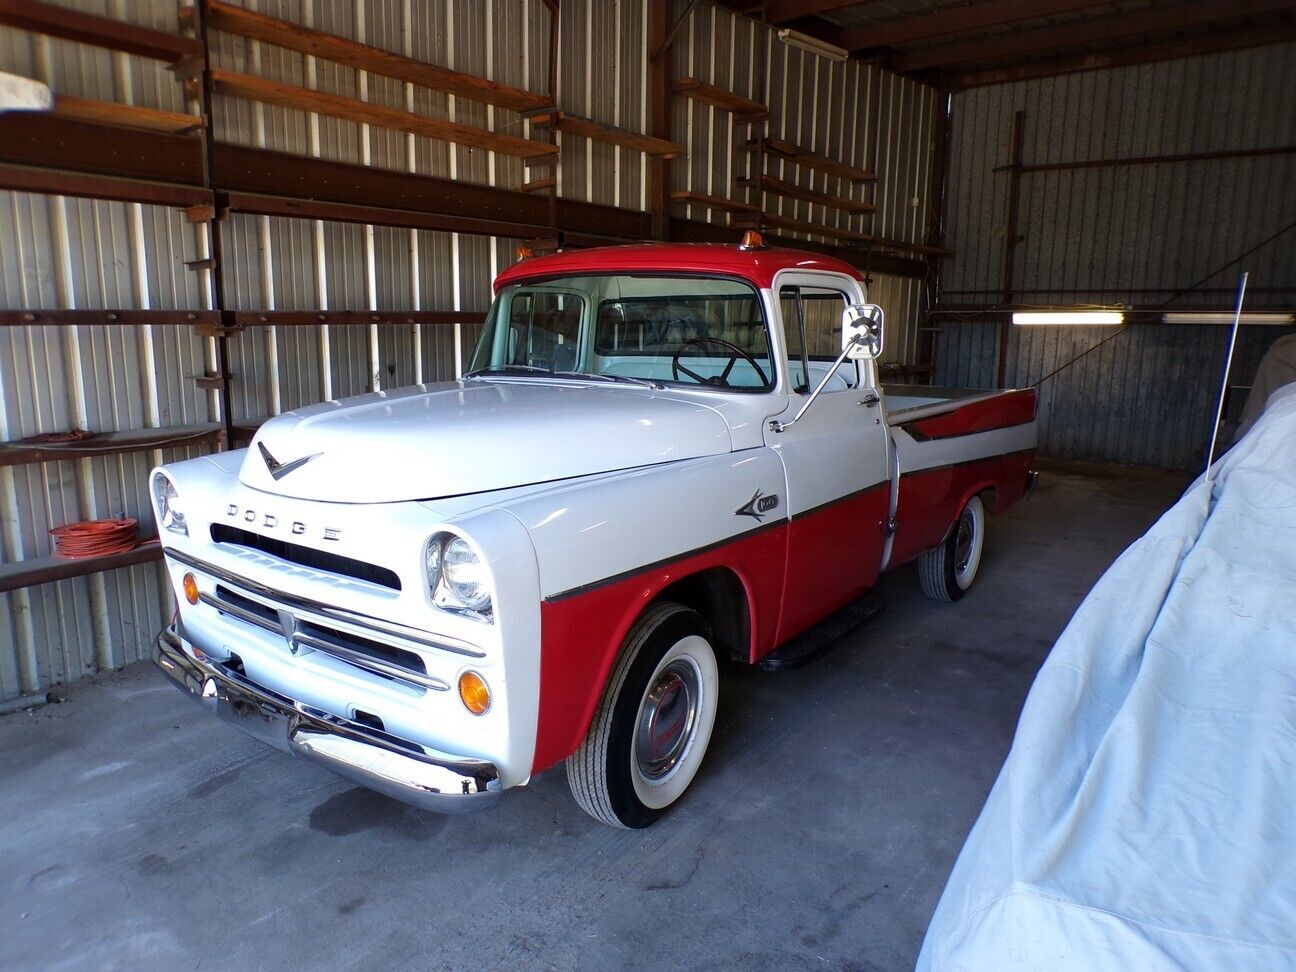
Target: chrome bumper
401 769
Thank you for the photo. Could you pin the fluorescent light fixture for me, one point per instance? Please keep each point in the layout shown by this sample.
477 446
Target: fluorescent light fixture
794 38
1068 317
1224 317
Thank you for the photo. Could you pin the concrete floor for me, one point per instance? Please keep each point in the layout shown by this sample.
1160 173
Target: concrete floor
137 832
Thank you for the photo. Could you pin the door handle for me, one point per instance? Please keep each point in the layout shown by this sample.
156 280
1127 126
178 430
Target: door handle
870 400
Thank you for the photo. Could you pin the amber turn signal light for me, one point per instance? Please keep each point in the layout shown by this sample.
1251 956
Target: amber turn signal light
190 588
751 240
474 692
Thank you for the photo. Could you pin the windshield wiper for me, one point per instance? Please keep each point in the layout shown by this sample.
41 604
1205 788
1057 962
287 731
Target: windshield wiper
603 376
506 369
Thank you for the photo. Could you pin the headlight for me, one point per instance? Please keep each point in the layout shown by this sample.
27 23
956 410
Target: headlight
167 502
458 579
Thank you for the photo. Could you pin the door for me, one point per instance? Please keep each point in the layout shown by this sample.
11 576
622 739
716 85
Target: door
835 458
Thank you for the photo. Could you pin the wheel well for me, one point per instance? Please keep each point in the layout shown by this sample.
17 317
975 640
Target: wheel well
719 596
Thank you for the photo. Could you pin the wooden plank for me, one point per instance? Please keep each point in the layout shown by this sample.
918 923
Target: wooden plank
43 570
245 86
588 128
128 116
110 444
41 139
537 185
282 33
57 20
688 197
810 160
744 109
760 220
780 188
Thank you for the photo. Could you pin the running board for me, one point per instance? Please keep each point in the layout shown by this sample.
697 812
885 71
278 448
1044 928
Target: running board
827 634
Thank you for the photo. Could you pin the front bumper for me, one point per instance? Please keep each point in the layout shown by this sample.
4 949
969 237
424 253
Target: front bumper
401 769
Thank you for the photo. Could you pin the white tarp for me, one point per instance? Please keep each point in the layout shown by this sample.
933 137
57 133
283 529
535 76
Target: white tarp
1146 815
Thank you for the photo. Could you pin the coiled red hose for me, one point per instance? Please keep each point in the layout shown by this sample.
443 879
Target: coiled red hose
95 538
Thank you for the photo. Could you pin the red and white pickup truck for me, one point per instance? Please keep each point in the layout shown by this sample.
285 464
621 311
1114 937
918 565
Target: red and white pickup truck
660 455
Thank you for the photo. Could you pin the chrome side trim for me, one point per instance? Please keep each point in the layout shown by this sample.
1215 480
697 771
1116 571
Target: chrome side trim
234 611
390 628
397 767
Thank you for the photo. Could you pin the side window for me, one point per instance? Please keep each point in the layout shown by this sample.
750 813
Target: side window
812 326
545 330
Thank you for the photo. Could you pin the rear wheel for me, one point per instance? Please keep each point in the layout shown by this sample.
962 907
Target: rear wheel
652 727
946 572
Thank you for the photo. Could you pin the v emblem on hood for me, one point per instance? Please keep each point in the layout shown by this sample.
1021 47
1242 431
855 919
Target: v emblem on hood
278 470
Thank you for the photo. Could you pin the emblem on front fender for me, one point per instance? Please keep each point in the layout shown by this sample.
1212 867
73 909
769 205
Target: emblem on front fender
758 506
281 469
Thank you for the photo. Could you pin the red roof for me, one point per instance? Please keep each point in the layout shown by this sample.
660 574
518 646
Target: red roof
756 266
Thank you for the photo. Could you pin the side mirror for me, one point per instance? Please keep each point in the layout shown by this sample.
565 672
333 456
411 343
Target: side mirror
862 331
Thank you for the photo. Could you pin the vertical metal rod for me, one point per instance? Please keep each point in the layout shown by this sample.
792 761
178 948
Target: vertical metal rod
1010 242
1219 408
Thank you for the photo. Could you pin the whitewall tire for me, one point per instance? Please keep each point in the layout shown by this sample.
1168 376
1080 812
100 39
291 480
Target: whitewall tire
946 572
653 724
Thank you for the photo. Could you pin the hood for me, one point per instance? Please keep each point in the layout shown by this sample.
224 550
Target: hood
433 441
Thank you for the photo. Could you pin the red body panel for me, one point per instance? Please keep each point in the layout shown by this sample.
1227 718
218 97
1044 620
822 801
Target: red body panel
756 266
1013 408
930 499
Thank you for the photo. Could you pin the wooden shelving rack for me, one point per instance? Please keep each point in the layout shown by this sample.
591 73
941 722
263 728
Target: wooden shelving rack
597 131
780 188
744 109
809 160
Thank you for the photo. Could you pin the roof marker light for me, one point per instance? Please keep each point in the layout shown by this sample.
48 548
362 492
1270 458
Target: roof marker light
751 240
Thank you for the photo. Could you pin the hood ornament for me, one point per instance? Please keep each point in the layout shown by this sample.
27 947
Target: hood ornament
278 470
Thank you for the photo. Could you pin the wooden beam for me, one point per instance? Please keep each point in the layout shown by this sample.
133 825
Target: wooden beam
785 11
41 139
264 173
1133 160
689 198
1088 31
955 20
245 86
810 160
43 570
282 33
56 20
314 318
780 188
744 109
588 128
19 178
659 98
127 116
759 220
1212 43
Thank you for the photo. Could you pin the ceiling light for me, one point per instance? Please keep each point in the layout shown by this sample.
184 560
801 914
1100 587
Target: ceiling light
1068 317
1224 317
794 38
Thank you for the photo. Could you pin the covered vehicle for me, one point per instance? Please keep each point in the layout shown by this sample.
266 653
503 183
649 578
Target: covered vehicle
1143 818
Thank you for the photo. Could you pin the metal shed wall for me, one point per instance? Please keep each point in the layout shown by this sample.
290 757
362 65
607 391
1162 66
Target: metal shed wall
82 254
1138 235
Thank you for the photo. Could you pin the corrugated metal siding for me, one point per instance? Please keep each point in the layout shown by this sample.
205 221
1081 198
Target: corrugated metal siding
1125 235
82 254
850 111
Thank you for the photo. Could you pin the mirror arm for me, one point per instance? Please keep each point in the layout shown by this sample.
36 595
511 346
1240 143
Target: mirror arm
777 426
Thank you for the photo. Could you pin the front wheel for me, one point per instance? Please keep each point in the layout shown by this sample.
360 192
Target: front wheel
946 572
653 724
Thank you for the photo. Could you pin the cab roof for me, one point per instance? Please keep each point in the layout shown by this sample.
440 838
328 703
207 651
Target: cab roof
757 266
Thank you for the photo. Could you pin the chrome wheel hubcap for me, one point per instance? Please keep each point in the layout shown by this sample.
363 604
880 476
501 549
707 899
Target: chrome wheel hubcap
667 720
963 541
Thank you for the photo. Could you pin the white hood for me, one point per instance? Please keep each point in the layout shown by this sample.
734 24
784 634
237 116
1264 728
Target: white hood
432 441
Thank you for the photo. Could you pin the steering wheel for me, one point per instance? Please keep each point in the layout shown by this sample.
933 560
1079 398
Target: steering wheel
722 379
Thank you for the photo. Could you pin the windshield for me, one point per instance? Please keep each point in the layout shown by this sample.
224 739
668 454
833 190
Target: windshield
691 330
